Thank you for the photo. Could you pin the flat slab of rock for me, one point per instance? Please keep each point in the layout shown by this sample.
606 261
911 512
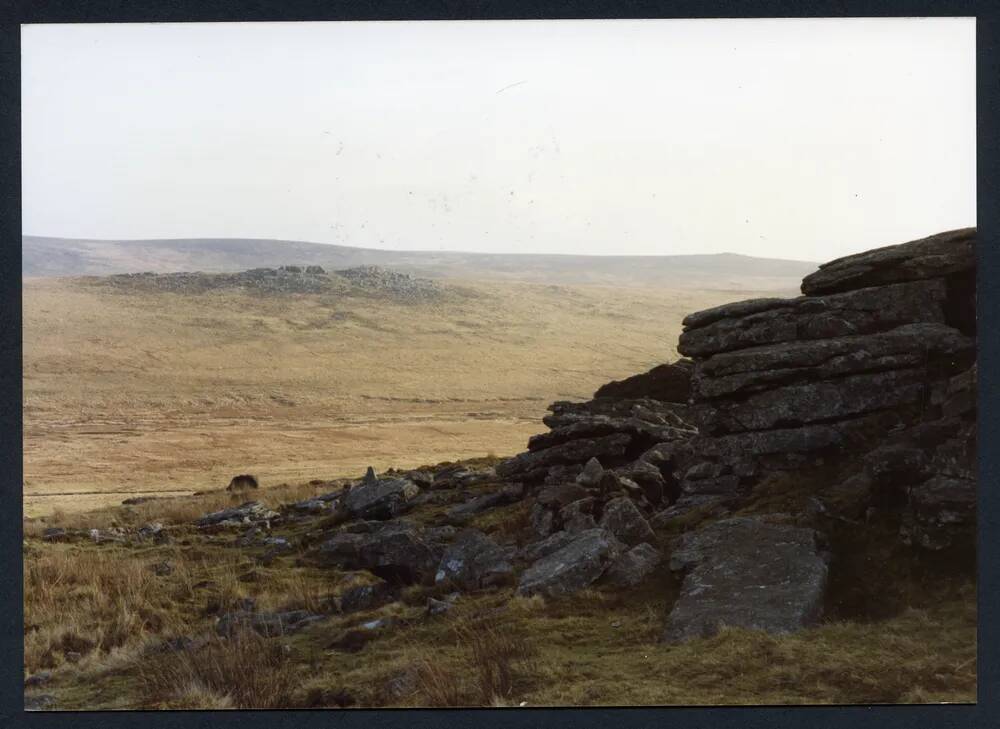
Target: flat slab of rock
746 573
573 567
913 345
770 321
936 255
248 513
380 499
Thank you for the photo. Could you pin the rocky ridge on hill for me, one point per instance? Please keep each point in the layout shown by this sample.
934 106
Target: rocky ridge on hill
360 280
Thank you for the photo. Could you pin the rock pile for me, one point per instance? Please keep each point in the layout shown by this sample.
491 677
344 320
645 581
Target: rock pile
362 280
383 281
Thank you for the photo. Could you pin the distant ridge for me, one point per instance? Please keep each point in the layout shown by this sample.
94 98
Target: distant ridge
44 256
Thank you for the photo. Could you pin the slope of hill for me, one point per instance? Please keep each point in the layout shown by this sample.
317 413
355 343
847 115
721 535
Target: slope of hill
176 382
725 271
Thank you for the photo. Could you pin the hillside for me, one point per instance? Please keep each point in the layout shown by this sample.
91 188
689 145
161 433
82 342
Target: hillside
73 257
175 382
785 516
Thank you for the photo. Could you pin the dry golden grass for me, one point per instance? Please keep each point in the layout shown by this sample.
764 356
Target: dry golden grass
80 601
167 393
245 671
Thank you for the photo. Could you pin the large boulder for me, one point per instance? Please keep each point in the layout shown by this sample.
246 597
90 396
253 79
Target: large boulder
937 255
380 499
474 561
573 567
745 572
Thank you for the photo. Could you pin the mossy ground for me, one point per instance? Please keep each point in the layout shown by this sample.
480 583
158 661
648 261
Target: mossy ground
599 647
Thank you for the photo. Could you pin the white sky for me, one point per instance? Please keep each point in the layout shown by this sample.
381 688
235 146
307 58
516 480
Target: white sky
804 139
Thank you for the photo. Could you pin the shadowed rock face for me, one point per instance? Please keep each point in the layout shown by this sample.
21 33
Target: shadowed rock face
746 573
666 382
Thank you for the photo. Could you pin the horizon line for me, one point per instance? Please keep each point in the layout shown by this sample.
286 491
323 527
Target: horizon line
421 250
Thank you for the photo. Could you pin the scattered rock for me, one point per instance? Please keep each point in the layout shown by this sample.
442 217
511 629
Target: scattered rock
440 607
252 512
366 597
103 536
383 499
633 567
56 534
573 567
474 561
153 531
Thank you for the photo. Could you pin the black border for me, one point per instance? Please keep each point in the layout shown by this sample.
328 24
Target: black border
15 12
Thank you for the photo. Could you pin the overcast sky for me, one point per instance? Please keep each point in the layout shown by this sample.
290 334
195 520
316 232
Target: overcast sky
805 139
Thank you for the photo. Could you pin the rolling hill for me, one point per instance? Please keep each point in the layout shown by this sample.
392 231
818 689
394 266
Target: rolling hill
43 257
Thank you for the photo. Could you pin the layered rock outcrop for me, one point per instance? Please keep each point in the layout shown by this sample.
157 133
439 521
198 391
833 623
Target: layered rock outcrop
859 396
879 343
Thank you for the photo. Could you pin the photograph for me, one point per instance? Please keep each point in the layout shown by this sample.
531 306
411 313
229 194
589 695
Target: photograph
498 363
